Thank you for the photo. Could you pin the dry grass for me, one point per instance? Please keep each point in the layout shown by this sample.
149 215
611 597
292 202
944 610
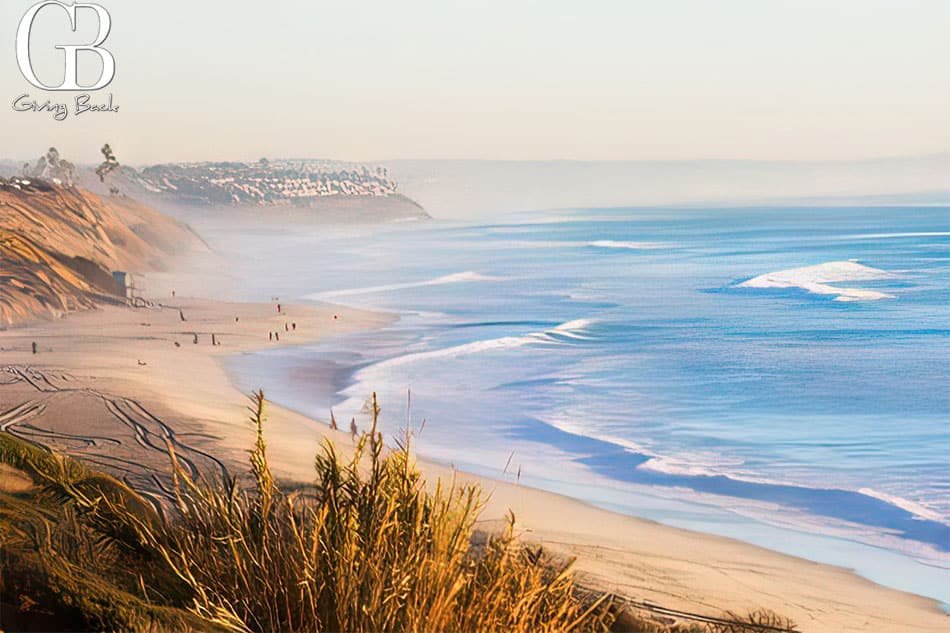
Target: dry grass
366 548
370 550
68 562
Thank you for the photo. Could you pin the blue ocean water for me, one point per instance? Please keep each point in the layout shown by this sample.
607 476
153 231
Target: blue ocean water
615 356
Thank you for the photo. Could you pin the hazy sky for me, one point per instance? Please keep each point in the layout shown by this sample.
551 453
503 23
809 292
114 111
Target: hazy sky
505 80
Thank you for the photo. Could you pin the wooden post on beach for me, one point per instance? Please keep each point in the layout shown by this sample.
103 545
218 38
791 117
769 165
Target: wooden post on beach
333 426
181 314
214 341
196 338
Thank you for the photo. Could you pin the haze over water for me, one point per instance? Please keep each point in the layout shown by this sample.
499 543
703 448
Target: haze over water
616 355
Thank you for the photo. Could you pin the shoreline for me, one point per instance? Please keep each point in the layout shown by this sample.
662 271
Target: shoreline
189 386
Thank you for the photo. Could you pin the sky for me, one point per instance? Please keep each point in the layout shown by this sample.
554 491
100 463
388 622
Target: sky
505 80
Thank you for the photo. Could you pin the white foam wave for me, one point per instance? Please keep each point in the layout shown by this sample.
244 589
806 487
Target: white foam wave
884 236
709 465
607 244
913 507
454 278
570 329
817 280
706 464
695 465
569 424
634 246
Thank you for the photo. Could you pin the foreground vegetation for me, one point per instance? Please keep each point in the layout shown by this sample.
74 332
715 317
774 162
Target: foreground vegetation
366 548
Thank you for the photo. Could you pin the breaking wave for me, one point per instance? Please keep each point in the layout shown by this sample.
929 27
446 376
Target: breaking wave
634 246
817 280
454 278
571 329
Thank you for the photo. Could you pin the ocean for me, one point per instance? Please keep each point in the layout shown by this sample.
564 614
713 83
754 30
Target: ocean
776 375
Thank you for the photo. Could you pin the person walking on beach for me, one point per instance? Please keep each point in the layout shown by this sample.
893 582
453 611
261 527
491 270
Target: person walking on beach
353 429
34 347
278 308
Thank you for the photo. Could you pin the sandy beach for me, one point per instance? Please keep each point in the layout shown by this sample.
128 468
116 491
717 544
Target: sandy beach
109 384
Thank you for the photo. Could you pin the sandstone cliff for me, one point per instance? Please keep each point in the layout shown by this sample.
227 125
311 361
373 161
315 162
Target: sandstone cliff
59 246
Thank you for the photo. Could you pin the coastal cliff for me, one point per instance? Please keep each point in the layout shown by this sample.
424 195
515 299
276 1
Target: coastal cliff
59 247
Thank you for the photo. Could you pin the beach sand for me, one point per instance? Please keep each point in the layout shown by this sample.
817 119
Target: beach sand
110 385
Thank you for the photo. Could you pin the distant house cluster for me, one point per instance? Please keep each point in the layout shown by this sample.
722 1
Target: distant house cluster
267 182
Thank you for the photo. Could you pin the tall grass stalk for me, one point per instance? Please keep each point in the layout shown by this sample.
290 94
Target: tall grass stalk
369 548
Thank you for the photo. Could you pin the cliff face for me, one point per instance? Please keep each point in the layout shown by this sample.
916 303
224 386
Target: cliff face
59 246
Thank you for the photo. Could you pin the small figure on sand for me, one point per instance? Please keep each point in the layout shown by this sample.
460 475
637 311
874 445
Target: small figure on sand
293 326
353 429
181 314
214 341
333 426
173 293
277 336
278 307
34 347
286 328
196 338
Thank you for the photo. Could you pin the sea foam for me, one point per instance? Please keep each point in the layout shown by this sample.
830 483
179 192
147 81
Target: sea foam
817 280
917 509
571 329
633 246
455 278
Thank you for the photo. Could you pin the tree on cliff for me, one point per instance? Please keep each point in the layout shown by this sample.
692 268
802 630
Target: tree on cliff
108 165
